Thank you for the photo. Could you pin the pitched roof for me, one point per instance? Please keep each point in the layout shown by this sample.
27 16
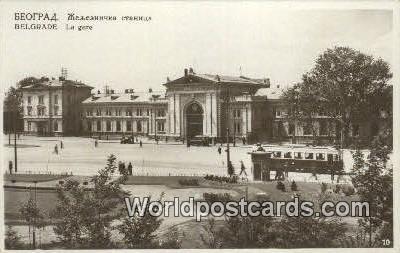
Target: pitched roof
136 97
56 83
210 78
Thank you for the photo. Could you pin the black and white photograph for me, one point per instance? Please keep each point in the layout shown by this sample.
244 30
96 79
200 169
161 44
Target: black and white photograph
199 125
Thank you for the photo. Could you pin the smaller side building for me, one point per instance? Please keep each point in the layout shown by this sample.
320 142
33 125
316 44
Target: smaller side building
52 107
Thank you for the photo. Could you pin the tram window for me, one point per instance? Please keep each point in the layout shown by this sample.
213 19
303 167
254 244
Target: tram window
336 157
288 155
309 156
298 155
277 154
320 156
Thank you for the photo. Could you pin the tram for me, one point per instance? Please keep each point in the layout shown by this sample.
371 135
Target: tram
294 158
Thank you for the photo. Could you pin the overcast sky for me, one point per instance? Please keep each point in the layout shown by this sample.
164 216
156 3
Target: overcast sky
280 44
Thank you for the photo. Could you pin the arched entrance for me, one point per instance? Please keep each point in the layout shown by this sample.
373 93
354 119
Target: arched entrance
194 120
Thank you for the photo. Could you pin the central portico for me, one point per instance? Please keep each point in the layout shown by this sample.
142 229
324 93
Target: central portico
198 105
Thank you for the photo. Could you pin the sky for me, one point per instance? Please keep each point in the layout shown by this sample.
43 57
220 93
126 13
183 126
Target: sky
252 39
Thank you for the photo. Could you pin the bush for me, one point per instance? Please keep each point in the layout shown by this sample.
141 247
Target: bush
189 182
324 187
281 186
211 197
348 190
232 180
293 186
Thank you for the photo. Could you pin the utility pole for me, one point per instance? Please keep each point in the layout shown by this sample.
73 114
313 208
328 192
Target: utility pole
34 220
228 158
15 140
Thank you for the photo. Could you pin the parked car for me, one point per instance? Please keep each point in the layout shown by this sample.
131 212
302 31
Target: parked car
127 140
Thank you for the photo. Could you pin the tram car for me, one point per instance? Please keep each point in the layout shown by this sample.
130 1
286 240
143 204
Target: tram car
294 158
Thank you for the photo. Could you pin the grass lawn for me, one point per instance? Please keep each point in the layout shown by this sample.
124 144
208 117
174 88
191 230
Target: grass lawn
33 177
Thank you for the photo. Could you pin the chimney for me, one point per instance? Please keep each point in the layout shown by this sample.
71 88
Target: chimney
131 90
126 91
168 80
98 91
191 71
150 90
278 86
186 72
217 78
112 91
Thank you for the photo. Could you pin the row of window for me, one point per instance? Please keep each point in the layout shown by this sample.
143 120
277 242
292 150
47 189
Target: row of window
129 127
55 126
41 111
41 99
118 112
305 155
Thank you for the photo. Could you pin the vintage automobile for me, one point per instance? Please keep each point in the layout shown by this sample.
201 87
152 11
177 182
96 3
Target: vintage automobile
200 140
127 140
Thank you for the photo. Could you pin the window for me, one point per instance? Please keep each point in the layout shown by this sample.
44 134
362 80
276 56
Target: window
118 112
323 128
41 100
89 112
89 126
128 112
29 126
287 155
238 127
128 126
55 110
40 111
139 126
298 155
291 128
309 156
138 112
56 126
98 125
320 156
118 126
108 112
148 112
98 112
108 126
160 126
307 129
160 113
56 99
355 130
237 113
29 100
29 110
277 154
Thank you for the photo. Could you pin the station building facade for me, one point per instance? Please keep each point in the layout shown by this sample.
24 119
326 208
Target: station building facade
193 105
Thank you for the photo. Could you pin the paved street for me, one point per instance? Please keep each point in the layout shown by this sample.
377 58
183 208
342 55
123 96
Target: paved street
81 157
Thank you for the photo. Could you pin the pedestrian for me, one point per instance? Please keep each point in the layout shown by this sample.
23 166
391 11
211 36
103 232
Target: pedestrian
219 149
242 169
96 143
56 149
10 166
130 168
140 143
61 144
137 139
120 168
244 140
123 168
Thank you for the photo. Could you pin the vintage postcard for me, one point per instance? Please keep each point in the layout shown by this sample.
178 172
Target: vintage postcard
199 125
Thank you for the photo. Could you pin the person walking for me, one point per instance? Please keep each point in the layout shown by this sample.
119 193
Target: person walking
140 143
96 143
219 149
242 169
61 144
130 168
10 166
56 149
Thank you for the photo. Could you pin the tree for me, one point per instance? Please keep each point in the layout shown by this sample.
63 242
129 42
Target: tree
85 214
12 239
346 85
373 180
